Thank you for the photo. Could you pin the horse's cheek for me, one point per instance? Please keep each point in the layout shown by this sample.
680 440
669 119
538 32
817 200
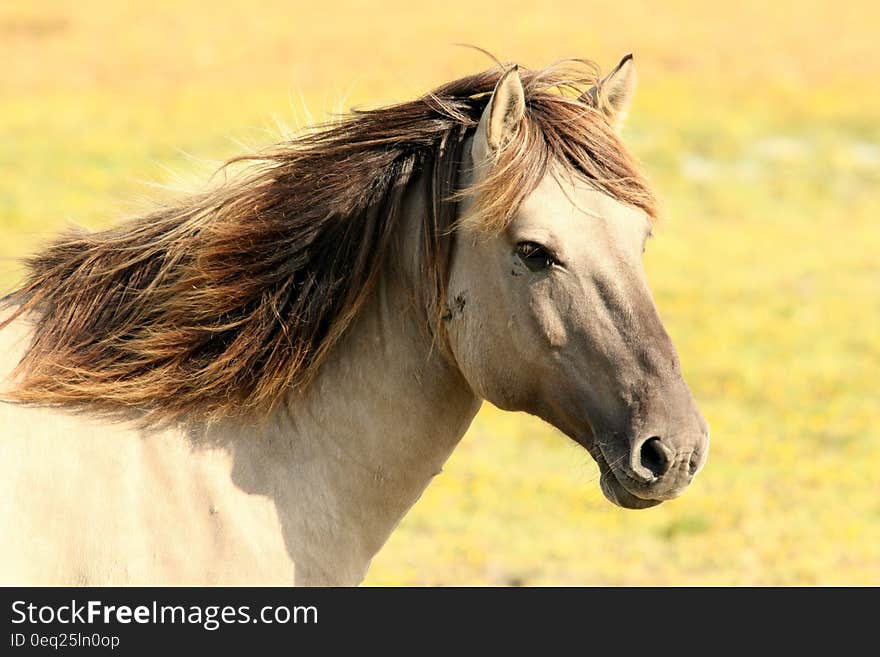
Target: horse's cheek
550 325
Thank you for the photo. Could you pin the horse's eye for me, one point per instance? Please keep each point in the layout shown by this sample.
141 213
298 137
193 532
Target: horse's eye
534 256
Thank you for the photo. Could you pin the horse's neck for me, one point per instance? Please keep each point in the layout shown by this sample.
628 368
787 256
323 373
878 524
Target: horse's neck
344 462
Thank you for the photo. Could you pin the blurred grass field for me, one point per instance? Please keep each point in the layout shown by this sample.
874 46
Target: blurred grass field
760 126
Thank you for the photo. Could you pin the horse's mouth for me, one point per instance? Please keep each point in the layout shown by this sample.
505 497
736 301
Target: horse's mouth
615 491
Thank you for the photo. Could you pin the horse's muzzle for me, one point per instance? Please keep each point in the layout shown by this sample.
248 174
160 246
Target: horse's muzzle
651 471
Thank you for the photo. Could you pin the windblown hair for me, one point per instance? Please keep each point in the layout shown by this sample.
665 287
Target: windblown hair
226 302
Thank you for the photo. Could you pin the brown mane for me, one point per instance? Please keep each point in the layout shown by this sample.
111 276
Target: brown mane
231 299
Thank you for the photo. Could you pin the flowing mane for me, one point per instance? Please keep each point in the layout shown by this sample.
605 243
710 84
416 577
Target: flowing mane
225 302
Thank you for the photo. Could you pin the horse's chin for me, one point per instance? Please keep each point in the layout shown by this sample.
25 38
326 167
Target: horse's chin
616 493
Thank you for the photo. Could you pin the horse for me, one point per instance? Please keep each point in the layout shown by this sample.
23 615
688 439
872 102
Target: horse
252 384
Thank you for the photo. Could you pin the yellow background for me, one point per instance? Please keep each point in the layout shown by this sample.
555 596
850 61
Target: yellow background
759 124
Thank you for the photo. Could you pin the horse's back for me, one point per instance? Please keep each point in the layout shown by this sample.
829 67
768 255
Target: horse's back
89 501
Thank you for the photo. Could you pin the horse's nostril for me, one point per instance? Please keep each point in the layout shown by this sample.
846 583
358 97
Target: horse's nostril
654 456
693 462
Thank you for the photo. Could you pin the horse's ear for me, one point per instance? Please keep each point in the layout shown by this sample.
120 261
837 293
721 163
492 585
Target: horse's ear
613 95
501 118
